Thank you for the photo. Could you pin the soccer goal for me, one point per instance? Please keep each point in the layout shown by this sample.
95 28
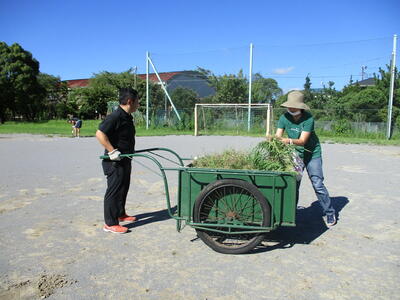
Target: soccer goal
232 118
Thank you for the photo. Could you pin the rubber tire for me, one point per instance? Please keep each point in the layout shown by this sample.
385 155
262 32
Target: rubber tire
204 234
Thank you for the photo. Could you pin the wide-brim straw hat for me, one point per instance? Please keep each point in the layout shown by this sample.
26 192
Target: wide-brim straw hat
295 99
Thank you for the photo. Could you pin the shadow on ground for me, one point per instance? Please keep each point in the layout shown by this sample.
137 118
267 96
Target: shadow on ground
147 218
309 226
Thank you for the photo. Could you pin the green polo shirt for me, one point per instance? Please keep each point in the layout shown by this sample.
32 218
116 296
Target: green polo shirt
312 149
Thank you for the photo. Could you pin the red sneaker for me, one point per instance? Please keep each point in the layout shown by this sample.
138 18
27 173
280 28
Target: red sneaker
126 218
115 229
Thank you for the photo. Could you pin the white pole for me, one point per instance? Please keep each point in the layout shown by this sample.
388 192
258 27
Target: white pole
390 105
165 90
147 90
195 120
250 77
268 119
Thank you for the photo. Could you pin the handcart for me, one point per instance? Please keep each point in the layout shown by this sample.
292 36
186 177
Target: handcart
231 210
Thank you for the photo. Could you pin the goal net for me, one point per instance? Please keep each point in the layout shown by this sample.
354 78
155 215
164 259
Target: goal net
232 119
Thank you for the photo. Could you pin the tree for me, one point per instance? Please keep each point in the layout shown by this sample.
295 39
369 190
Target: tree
308 95
230 88
184 98
157 96
56 93
265 89
351 88
360 106
103 87
307 84
20 92
6 94
322 100
211 77
368 103
383 83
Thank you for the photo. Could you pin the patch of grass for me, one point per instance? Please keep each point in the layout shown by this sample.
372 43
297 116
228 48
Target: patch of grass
233 132
63 128
51 127
359 138
142 131
355 140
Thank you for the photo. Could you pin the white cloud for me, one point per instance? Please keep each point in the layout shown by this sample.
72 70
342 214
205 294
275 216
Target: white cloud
281 71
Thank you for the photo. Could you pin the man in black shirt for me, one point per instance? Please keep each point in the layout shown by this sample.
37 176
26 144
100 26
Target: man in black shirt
117 135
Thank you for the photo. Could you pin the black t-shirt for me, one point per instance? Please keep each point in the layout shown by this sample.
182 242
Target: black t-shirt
120 130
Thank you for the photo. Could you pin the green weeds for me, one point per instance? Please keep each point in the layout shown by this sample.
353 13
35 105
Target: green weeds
271 155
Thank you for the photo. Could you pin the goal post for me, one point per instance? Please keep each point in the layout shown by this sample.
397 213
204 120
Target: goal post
232 118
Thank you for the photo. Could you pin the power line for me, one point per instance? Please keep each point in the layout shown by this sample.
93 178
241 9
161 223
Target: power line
326 43
354 63
271 45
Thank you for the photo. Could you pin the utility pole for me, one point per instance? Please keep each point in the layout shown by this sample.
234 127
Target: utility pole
147 89
250 78
390 105
363 68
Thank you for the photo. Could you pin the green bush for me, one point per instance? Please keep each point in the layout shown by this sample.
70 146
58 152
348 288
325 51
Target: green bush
341 127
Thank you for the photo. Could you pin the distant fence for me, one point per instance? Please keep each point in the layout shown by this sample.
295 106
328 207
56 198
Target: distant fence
367 127
348 121
361 126
231 120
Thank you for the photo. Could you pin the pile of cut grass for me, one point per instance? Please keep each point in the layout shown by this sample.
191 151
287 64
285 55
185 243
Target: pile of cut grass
271 155
229 159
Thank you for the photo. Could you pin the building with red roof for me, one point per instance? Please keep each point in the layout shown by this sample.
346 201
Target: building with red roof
75 83
192 80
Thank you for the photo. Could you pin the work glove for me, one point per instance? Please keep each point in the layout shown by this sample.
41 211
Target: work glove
114 155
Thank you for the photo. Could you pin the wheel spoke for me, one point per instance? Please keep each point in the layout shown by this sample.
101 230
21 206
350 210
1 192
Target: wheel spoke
240 196
231 202
221 197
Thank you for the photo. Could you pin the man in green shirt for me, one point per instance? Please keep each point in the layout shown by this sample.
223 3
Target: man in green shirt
299 126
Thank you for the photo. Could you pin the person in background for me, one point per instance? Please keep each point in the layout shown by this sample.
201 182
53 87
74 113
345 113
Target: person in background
117 135
299 126
77 125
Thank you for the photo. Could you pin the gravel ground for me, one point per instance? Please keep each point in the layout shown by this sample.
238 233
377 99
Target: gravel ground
53 246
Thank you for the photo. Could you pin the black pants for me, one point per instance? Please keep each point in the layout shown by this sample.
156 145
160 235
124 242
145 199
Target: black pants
118 181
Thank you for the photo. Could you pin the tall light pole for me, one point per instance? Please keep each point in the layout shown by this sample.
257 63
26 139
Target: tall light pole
147 90
250 78
390 104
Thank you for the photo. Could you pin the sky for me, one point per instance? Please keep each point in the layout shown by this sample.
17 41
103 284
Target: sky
326 40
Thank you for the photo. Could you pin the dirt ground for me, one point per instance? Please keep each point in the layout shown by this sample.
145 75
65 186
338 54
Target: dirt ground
53 246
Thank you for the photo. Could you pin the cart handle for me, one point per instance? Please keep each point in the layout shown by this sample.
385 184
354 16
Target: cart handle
164 176
150 150
139 153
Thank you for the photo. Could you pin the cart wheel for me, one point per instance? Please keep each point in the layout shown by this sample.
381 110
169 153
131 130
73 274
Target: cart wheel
231 202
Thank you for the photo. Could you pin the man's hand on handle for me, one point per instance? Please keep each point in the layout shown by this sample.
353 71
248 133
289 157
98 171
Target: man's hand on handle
114 155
